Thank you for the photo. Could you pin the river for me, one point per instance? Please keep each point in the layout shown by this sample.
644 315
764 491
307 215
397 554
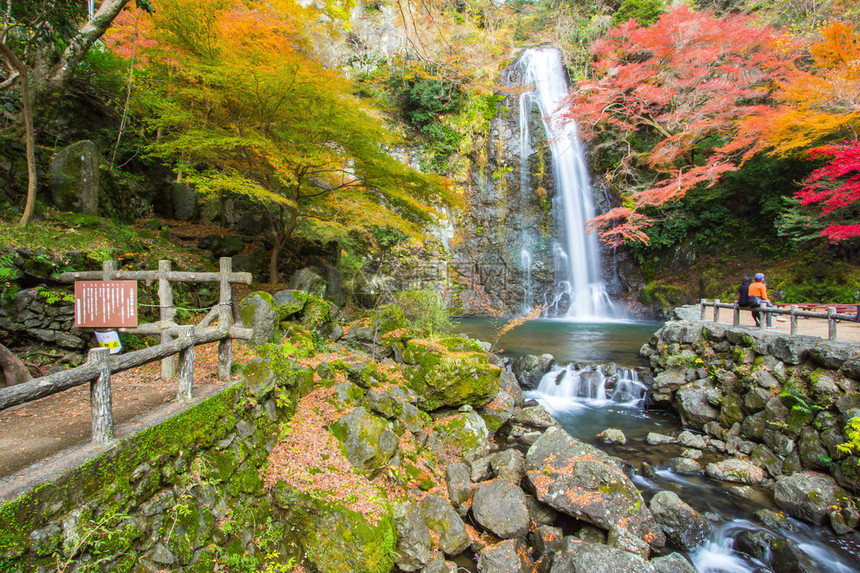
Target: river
584 411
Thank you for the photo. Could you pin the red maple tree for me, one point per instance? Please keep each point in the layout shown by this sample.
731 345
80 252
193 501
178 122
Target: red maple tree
684 82
836 189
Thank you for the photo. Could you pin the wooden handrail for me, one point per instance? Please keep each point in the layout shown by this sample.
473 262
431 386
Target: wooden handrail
175 339
793 312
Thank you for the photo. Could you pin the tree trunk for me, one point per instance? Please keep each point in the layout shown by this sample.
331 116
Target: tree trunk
83 41
14 371
29 136
282 236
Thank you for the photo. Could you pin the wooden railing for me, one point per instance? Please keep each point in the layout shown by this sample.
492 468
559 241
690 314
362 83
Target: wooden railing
793 312
175 340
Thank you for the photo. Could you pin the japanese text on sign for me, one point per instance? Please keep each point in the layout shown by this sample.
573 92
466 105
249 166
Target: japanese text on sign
105 303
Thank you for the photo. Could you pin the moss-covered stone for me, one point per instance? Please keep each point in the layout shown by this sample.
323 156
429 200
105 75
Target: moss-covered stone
336 539
440 377
464 432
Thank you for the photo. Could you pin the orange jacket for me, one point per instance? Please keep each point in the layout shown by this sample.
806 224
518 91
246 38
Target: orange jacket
758 289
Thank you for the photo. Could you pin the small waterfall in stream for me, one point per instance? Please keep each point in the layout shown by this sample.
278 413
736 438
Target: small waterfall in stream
580 289
591 384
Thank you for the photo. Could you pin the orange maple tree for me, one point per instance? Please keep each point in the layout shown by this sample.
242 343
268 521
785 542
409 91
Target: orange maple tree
817 116
684 83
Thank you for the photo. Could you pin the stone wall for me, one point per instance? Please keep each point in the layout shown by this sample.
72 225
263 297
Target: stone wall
30 315
184 494
779 401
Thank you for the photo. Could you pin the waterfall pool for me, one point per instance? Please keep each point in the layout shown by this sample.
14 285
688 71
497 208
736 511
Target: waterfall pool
587 409
568 340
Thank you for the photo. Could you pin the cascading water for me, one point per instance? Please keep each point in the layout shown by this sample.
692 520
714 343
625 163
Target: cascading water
591 384
577 254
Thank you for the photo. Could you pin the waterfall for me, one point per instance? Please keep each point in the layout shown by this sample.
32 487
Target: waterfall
528 296
576 254
591 384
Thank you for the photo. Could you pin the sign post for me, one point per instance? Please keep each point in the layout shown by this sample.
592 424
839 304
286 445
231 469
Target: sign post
100 304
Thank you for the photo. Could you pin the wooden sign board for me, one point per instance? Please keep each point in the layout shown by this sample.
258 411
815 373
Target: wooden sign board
105 303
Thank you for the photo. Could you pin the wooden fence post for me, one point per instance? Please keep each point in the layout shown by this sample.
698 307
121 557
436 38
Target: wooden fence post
108 270
716 310
736 314
100 397
831 323
166 314
702 309
186 363
225 318
793 318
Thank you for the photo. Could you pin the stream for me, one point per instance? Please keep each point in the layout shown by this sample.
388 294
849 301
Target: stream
577 397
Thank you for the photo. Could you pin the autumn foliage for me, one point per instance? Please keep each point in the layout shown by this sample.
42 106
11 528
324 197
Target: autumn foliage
241 105
684 83
836 189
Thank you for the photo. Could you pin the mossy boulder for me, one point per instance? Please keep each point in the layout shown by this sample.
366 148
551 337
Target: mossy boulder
317 314
388 319
369 441
337 539
289 302
464 432
259 313
581 481
441 374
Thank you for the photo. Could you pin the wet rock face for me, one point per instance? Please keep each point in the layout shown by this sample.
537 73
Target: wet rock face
74 178
500 507
808 495
583 482
684 527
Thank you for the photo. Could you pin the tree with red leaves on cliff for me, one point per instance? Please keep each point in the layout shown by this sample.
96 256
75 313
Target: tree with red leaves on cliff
669 99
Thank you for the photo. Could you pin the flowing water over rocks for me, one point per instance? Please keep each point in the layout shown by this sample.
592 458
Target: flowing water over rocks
728 525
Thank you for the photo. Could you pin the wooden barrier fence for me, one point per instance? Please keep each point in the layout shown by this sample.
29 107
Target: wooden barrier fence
175 340
793 312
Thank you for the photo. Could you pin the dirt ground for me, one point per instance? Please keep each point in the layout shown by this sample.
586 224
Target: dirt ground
34 431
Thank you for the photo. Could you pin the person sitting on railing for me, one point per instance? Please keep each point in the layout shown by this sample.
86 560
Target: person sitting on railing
744 297
757 298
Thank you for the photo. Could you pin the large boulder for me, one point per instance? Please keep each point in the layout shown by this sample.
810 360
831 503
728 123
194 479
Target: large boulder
776 552
500 507
498 411
666 383
442 519
336 539
413 538
464 434
368 440
505 557
459 483
694 406
74 178
672 563
684 527
575 556
808 495
736 470
449 372
583 482
310 281
530 369
259 313
509 384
